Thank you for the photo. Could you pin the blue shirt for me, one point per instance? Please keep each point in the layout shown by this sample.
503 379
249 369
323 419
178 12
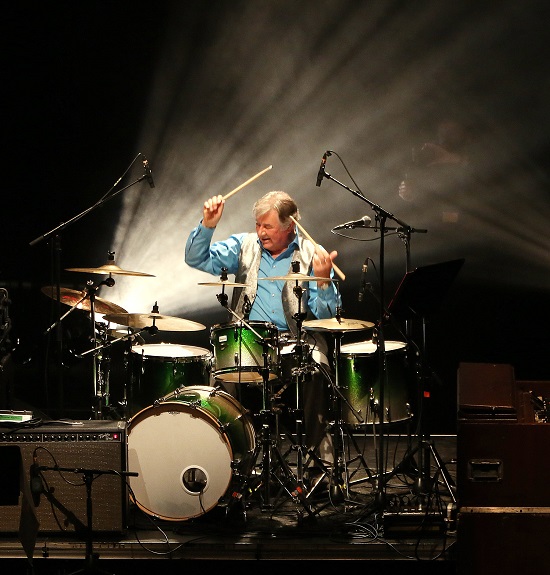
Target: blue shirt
268 304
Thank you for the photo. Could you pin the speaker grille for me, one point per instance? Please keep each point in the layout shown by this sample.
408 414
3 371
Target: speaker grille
76 448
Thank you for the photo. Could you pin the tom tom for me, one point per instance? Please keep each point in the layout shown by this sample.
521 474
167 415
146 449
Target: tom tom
160 368
238 351
185 448
359 382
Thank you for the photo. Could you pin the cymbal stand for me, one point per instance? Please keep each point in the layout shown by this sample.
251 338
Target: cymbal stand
100 377
274 466
301 350
338 399
267 447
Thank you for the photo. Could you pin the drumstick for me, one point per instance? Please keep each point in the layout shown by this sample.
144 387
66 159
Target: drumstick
336 268
246 183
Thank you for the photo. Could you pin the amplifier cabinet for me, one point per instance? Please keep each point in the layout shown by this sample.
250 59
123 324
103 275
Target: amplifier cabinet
503 541
503 464
60 497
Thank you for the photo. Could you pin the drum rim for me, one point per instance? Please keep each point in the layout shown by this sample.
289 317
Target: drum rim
347 353
232 324
217 428
207 354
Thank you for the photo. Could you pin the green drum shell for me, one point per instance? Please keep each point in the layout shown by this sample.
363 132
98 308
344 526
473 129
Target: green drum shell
161 368
359 382
235 420
187 449
238 352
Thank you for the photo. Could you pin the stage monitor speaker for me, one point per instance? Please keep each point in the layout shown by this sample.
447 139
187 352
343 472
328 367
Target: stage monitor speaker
60 497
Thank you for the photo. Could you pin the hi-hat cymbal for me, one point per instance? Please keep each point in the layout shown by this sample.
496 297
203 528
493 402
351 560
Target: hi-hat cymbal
334 324
297 277
223 283
162 322
108 269
73 297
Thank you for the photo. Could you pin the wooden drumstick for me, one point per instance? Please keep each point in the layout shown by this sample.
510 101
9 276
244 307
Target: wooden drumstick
246 183
336 268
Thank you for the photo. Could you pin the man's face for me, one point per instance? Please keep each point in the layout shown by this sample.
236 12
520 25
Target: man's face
274 239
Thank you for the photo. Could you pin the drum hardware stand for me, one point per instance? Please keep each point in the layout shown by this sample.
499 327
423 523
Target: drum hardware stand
100 362
432 282
103 377
339 486
301 350
268 444
270 452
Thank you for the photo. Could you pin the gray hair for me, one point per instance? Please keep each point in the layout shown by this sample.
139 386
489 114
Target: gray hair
279 201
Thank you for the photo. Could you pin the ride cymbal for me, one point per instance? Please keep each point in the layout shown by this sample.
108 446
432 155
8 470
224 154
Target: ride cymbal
162 322
334 324
297 277
73 297
108 269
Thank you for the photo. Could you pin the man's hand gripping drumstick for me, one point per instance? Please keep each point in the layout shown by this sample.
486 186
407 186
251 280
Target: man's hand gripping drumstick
323 257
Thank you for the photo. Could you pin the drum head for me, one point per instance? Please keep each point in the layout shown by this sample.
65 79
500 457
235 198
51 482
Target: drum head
170 351
183 459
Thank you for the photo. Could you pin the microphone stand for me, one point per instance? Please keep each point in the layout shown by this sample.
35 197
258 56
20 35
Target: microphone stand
381 217
88 476
56 247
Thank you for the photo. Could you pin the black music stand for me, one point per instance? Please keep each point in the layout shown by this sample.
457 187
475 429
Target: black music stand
422 290
420 296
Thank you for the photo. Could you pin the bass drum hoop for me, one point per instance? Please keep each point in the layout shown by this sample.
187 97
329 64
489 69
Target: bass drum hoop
169 444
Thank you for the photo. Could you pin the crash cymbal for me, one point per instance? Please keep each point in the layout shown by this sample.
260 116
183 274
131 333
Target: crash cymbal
162 322
107 269
297 277
72 297
223 283
334 324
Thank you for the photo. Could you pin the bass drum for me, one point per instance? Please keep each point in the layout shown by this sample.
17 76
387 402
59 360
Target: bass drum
186 448
360 383
238 351
159 368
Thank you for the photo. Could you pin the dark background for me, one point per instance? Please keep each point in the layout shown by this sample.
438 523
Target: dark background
212 93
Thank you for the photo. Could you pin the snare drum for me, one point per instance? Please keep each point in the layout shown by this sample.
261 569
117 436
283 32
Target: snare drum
359 381
185 448
238 351
159 368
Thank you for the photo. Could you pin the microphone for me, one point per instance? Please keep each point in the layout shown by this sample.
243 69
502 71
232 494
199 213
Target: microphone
364 222
148 172
363 284
321 172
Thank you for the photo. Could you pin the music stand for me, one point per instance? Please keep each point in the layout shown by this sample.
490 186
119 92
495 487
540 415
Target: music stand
420 295
422 290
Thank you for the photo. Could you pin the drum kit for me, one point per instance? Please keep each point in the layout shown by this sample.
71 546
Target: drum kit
178 418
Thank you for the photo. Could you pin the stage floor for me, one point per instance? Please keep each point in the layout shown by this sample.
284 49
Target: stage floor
399 520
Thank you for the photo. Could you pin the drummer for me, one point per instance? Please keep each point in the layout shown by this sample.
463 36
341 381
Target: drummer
270 252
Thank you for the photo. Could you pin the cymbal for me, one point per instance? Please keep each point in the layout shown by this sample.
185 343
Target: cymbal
223 283
297 277
333 324
108 269
162 322
72 297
